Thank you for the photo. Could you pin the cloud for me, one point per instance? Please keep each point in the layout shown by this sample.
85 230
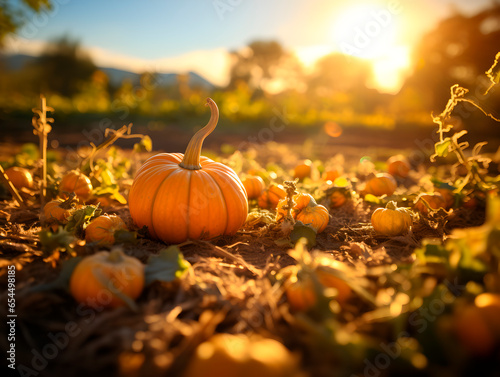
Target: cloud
213 64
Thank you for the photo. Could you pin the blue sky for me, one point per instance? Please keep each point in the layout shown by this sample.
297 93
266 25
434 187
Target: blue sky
196 34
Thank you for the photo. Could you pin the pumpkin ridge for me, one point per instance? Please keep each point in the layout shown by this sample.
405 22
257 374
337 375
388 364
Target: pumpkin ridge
223 199
188 220
154 199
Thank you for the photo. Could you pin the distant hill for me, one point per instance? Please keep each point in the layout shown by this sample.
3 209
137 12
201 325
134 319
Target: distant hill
116 76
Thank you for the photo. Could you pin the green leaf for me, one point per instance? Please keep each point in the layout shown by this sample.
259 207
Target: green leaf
167 266
57 241
303 231
81 218
443 148
62 281
370 198
125 236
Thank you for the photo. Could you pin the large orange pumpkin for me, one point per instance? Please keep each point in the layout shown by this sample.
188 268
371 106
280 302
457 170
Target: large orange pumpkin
188 196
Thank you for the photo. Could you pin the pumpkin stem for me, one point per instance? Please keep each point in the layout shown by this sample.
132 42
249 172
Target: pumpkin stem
115 255
391 205
191 158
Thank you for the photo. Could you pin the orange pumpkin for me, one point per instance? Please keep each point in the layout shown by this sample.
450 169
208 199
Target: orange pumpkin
434 201
254 185
331 175
270 197
337 198
301 294
102 229
228 355
397 166
391 220
327 279
448 196
58 212
303 170
180 197
381 184
77 182
20 177
306 210
105 279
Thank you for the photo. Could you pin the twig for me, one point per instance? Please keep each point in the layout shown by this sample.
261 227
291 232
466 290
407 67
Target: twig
42 129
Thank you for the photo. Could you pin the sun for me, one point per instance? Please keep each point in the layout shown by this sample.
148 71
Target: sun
372 32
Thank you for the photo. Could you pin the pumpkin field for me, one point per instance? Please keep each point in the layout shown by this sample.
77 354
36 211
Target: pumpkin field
260 261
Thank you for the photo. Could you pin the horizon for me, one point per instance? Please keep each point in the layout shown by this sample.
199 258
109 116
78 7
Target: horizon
336 28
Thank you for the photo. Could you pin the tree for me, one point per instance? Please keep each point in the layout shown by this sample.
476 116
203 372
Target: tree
458 51
63 67
13 17
254 63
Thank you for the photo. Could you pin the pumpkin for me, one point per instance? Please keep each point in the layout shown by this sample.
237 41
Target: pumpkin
381 184
391 220
301 294
228 355
58 211
188 196
107 279
477 326
329 280
331 175
270 197
254 185
77 182
303 170
102 229
434 201
337 198
397 166
306 210
448 196
20 177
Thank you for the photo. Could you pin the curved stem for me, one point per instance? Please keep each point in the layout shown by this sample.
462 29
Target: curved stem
191 158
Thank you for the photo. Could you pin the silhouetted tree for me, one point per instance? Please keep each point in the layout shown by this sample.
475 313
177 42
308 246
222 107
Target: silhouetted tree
63 67
13 17
458 51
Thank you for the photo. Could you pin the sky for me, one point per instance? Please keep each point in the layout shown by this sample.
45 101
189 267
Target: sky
184 35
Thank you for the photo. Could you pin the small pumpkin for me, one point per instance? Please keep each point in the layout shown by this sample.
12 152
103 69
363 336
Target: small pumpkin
473 330
331 175
305 210
303 170
188 196
229 355
58 211
77 182
391 220
270 197
397 166
254 185
381 184
337 198
301 294
107 279
102 229
20 177
434 201
448 196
